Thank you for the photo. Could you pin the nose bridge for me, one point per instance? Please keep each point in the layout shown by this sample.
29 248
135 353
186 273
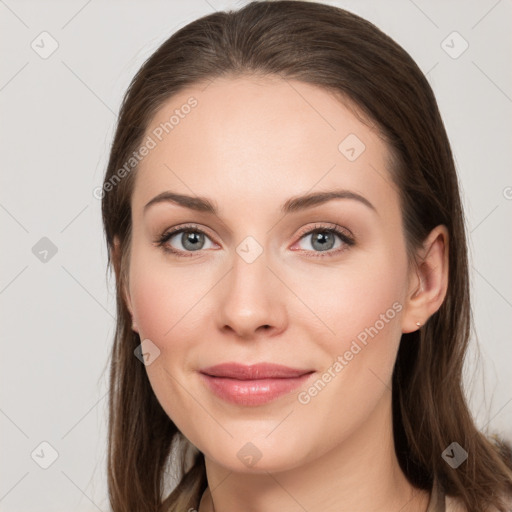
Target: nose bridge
250 277
251 297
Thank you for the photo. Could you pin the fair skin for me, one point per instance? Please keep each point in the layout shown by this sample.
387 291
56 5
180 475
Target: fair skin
250 145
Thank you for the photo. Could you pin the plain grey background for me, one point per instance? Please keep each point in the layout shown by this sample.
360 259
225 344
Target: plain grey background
58 114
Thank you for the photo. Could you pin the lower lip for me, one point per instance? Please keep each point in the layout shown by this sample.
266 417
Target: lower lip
252 392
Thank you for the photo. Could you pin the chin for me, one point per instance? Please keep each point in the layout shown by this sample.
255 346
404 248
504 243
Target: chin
256 457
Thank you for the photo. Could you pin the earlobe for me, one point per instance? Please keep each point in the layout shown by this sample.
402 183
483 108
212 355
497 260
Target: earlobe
115 257
116 261
128 302
429 280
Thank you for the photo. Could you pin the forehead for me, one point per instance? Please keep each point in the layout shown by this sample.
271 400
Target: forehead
259 137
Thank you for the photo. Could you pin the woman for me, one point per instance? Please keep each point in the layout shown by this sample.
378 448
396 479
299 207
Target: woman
283 216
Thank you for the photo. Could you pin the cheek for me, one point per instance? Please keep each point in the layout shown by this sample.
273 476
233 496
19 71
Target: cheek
165 300
152 307
376 298
354 300
363 309
166 305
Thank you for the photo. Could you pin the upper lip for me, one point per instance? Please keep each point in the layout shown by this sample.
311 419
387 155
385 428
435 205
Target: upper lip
253 372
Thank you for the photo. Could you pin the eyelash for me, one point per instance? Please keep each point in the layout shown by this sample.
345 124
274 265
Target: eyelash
333 228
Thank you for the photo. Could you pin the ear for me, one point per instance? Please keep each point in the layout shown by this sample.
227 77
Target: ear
115 257
428 280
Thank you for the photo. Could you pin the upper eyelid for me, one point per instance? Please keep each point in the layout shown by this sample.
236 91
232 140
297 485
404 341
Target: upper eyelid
191 227
306 231
327 226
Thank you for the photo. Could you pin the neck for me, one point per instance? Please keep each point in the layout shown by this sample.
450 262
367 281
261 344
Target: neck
361 473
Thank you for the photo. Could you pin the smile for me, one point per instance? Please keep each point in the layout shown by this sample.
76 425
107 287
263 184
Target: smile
252 385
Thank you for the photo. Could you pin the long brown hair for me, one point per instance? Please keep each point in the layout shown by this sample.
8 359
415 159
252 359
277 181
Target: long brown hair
343 53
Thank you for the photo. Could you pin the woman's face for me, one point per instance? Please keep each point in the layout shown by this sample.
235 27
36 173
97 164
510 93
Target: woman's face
249 285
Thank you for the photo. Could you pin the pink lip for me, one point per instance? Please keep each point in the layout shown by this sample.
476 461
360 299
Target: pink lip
252 385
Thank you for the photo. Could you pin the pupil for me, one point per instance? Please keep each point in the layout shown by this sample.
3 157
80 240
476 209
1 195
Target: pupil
323 239
191 240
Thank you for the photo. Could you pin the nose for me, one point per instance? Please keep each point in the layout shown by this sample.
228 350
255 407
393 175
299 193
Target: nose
251 300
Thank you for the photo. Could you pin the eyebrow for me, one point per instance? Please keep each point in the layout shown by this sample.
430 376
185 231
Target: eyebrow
294 204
